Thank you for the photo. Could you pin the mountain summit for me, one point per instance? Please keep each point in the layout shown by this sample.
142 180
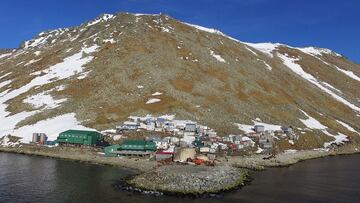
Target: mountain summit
97 74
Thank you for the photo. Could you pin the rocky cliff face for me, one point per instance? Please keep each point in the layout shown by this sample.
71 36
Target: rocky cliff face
97 74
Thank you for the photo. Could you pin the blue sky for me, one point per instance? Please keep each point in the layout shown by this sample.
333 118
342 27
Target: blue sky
324 23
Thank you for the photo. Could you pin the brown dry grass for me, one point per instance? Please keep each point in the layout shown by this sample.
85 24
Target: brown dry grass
182 85
218 73
267 87
241 95
136 74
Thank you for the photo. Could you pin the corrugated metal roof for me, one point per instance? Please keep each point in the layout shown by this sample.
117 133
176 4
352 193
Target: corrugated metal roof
134 142
80 132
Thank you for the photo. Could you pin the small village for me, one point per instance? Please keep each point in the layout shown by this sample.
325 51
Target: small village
169 140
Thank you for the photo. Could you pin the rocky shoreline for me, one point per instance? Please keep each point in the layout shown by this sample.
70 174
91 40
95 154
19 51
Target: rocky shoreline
257 162
182 180
190 180
84 155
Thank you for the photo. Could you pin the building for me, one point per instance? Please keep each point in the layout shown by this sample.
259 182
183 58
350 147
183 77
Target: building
237 139
172 140
265 143
127 126
79 137
50 143
190 127
160 122
159 142
259 128
211 133
202 130
138 145
204 150
247 142
110 150
229 138
169 126
159 156
131 148
287 129
166 154
198 143
223 146
150 126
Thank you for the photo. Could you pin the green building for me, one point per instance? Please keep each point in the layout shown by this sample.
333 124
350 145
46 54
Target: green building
111 150
198 143
138 145
79 137
131 147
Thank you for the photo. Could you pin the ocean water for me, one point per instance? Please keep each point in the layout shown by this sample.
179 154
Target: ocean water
36 179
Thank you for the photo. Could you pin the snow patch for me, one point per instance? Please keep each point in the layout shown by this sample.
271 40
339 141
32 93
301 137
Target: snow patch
39 41
266 48
5 142
249 128
157 94
314 51
210 30
311 122
339 139
153 100
5 55
102 18
348 127
167 29
51 127
112 41
266 64
32 61
6 74
348 73
253 52
43 100
3 84
168 117
217 57
296 68
69 67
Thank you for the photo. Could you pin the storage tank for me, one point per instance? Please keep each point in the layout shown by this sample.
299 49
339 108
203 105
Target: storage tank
43 138
35 138
184 154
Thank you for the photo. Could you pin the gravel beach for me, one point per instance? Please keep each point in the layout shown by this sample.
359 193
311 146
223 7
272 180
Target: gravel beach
190 180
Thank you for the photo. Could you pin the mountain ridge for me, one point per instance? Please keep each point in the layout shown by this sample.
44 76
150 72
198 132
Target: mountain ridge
203 75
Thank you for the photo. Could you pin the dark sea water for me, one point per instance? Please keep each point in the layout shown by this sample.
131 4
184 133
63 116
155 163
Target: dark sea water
35 179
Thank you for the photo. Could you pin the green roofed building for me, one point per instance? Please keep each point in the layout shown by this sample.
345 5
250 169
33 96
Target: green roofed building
111 150
138 145
131 148
79 137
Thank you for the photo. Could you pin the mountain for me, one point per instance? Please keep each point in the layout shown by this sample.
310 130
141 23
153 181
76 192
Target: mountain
97 74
